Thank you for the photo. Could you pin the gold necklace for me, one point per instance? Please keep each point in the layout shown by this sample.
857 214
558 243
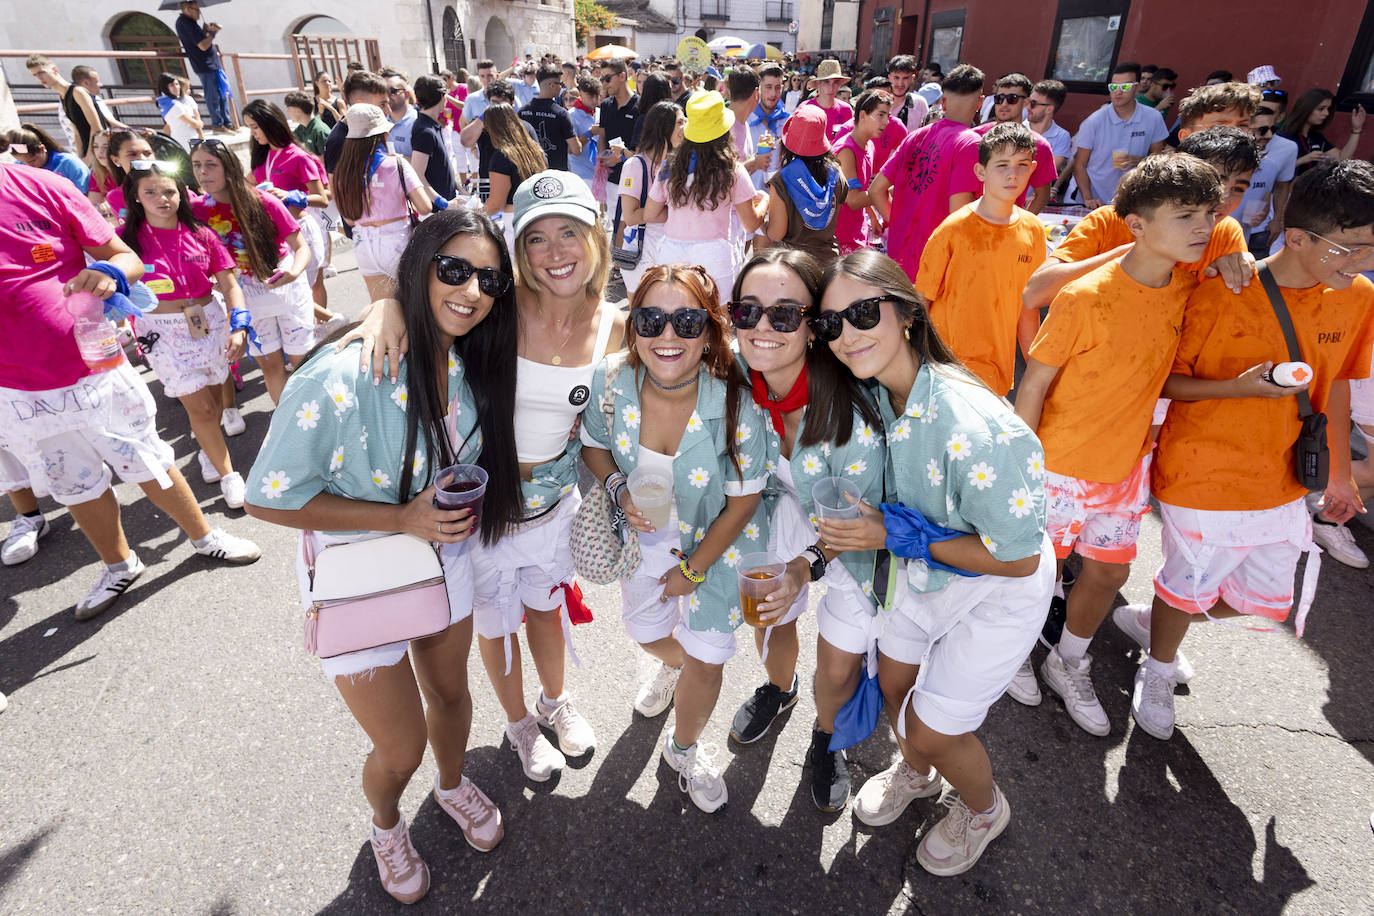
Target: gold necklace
557 355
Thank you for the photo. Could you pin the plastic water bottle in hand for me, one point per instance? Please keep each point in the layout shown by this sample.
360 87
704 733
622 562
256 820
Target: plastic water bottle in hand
96 336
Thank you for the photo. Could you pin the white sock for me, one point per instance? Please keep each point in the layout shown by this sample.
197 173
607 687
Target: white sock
381 834
449 793
1163 669
550 704
1073 648
124 565
201 542
1059 589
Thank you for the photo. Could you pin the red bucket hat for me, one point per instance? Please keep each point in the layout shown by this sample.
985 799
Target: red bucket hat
805 133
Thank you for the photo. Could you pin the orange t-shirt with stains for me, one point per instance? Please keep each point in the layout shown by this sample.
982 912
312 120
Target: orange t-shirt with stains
1113 340
1102 230
973 273
1231 454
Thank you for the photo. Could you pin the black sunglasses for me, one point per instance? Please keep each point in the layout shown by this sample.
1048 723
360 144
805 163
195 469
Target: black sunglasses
607 79
457 272
863 315
1166 86
689 324
1262 131
1006 98
782 318
1275 94
210 142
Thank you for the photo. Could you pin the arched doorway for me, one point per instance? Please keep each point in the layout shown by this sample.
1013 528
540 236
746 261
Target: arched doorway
455 54
500 46
141 32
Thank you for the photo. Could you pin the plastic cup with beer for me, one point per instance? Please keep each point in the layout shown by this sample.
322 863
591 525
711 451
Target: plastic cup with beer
652 492
759 574
1119 158
461 486
836 497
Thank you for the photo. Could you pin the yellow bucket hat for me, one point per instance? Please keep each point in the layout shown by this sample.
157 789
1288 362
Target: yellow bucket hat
707 117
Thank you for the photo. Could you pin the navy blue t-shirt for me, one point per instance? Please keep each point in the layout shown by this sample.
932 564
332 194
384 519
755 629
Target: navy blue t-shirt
191 35
425 137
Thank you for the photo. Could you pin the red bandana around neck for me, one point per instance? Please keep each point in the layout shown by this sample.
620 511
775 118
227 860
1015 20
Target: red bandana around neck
795 399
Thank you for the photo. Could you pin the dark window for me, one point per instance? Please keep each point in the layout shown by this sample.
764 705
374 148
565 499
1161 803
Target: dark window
1357 85
141 32
1087 39
881 49
715 9
946 38
455 56
827 22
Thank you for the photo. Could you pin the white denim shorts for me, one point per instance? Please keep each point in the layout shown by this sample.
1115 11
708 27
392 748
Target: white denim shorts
284 317
378 248
316 239
68 442
186 364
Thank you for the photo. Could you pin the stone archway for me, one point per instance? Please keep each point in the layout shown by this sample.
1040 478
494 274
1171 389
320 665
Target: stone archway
500 47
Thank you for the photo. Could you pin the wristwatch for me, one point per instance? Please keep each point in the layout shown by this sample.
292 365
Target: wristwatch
817 562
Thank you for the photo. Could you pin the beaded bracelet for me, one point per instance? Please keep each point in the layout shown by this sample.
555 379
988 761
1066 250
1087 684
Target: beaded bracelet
686 568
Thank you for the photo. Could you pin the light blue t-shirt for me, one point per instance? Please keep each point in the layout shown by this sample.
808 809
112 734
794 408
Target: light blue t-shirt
400 133
475 105
1280 160
524 94
582 165
71 168
1103 132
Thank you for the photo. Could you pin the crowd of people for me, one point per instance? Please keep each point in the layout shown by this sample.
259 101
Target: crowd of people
832 278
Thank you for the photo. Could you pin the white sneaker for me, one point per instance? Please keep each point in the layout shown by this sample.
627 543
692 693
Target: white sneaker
207 468
885 796
656 694
108 588
1339 542
1074 684
4 703
954 845
234 490
1134 621
1024 688
538 758
575 736
697 774
324 329
232 421
221 545
1152 703
22 542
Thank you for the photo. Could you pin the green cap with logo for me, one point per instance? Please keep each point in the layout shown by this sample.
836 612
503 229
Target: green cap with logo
554 193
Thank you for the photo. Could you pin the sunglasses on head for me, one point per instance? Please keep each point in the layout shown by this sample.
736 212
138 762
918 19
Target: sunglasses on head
1276 95
454 271
688 323
1120 87
147 165
782 318
210 142
863 315
1006 98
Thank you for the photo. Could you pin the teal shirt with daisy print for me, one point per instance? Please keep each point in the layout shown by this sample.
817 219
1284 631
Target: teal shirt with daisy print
336 432
703 475
962 458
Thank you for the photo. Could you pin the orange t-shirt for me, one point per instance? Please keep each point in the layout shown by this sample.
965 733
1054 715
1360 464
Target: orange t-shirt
1113 340
1102 230
973 273
1230 454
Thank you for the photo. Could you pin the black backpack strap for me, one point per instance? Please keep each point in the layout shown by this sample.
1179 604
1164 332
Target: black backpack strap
1290 336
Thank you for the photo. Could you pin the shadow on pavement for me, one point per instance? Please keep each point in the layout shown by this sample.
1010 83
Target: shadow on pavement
12 859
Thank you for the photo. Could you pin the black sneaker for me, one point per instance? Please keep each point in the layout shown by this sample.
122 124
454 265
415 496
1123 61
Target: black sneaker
758 712
829 773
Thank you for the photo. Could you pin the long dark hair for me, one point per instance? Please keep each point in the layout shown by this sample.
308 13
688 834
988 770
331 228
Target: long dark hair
824 168
258 231
656 138
878 270
1295 122
117 140
136 216
653 89
271 120
833 394
712 177
488 353
167 81
351 192
718 360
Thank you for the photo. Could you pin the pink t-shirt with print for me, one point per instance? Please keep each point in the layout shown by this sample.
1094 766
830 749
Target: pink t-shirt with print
933 163
385 199
688 224
180 263
290 169
45 222
220 217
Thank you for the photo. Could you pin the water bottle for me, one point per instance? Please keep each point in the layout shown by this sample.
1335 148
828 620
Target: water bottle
1058 234
97 338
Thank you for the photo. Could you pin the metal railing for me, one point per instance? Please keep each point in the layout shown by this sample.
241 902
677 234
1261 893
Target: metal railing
715 9
778 11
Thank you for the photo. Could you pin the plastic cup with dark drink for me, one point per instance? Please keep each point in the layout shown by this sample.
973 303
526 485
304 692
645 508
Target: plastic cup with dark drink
461 486
759 574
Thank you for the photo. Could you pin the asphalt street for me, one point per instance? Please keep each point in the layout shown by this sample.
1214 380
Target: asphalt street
183 754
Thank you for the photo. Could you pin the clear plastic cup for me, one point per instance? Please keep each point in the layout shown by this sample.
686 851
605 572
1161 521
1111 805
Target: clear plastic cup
759 574
461 486
652 492
1119 158
836 497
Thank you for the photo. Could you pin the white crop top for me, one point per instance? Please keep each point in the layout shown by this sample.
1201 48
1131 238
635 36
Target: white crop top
549 399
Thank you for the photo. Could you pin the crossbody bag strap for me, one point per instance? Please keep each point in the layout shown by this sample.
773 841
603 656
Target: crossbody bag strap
1290 336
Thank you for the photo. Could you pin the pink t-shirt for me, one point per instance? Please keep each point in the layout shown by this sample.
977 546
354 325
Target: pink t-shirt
220 217
688 224
835 116
932 164
386 200
181 263
851 226
1044 172
44 224
632 176
290 169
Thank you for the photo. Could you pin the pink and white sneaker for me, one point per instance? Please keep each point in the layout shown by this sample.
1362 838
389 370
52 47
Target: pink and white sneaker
476 815
404 874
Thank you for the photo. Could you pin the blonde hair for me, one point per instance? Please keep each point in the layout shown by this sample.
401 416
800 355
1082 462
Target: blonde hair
594 245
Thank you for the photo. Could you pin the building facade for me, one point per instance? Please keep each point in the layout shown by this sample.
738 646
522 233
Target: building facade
828 25
767 21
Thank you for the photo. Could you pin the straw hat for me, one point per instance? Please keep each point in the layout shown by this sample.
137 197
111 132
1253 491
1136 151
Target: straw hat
828 70
366 121
707 117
